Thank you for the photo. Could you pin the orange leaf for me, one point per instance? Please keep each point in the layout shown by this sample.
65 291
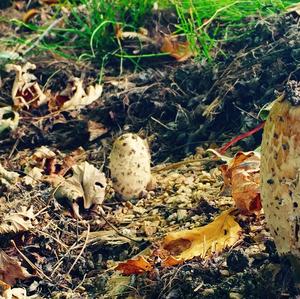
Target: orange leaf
136 266
242 176
172 261
181 51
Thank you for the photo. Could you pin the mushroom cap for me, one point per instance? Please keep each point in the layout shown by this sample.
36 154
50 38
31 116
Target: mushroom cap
130 165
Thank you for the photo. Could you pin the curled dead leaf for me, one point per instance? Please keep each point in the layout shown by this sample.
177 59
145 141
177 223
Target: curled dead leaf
26 92
86 183
29 15
45 162
16 293
33 176
17 221
76 97
181 51
141 35
242 176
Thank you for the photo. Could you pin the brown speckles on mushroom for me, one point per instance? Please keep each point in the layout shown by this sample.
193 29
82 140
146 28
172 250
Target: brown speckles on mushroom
130 164
280 172
297 227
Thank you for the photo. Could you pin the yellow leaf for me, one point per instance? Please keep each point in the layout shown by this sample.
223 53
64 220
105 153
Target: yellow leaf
223 232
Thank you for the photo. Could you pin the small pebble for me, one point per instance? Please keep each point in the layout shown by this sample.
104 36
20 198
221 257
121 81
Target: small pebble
224 272
233 295
181 214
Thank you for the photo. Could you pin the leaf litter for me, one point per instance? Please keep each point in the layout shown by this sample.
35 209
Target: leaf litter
63 230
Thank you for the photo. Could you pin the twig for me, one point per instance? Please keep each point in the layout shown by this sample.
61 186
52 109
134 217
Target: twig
216 13
55 239
40 38
115 229
163 125
39 271
82 250
224 148
176 165
59 262
14 148
80 284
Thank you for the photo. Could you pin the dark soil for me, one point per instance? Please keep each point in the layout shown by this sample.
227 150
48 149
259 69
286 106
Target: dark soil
183 105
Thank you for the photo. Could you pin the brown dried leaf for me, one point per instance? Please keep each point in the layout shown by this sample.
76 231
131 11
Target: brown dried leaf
172 261
136 266
11 269
96 130
214 237
242 175
181 51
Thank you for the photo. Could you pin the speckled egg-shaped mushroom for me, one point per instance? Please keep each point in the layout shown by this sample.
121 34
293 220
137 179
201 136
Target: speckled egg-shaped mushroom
280 173
130 165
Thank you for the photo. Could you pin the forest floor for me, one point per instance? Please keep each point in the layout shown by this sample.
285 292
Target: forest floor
182 109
